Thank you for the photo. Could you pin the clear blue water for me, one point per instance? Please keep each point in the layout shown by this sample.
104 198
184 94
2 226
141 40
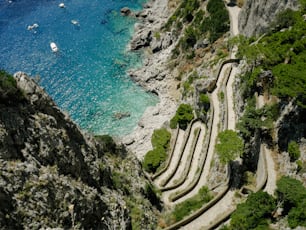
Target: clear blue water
87 78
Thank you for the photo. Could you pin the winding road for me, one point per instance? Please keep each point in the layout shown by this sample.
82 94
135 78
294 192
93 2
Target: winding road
190 151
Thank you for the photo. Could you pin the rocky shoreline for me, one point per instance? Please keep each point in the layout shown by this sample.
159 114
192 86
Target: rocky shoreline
154 75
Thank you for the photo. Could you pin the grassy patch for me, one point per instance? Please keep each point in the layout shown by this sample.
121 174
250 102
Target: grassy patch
188 206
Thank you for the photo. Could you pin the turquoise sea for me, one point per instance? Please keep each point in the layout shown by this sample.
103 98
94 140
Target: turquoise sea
87 77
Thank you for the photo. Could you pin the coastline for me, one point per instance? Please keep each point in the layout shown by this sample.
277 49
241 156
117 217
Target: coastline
153 76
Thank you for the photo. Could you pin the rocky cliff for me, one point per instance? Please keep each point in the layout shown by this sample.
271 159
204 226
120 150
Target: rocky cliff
256 15
53 175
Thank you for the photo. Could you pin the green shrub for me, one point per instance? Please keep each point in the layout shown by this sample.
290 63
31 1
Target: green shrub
229 146
218 22
161 138
299 165
254 212
9 92
153 159
292 194
107 143
160 141
186 207
297 216
294 151
204 101
183 116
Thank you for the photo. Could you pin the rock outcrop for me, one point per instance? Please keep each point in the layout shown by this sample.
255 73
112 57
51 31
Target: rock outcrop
52 174
256 15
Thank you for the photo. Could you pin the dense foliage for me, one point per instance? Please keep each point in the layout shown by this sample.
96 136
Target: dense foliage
107 143
199 25
160 142
257 211
254 212
284 53
229 146
186 207
254 119
8 88
218 21
292 194
294 151
204 101
183 116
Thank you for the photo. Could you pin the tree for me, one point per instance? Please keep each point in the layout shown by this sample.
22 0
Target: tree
229 146
294 151
153 159
183 116
161 138
290 191
160 141
254 212
292 194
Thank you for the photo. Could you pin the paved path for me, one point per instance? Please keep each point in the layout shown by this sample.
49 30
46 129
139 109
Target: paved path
194 165
226 202
174 160
213 136
272 177
187 154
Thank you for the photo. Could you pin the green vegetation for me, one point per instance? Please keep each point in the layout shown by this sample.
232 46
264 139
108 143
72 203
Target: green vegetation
254 212
9 92
154 158
294 151
188 206
185 12
204 101
187 85
254 119
229 146
292 194
198 24
107 143
183 116
161 138
258 209
284 53
218 22
151 193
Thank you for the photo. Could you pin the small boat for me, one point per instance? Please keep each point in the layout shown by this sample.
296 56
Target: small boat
54 47
75 22
32 27
61 5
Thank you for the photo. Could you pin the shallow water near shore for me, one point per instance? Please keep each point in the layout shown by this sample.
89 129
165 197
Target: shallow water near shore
87 77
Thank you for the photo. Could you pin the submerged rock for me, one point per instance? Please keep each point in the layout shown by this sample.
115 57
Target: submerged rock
125 11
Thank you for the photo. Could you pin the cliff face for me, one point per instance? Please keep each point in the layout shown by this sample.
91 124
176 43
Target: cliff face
52 175
256 15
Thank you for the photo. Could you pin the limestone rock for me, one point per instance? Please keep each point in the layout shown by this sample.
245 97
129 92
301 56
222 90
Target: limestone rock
141 39
125 11
162 43
55 176
206 85
256 15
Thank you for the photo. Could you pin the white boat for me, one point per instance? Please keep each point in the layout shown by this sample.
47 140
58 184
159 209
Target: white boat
75 22
61 5
32 27
54 47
